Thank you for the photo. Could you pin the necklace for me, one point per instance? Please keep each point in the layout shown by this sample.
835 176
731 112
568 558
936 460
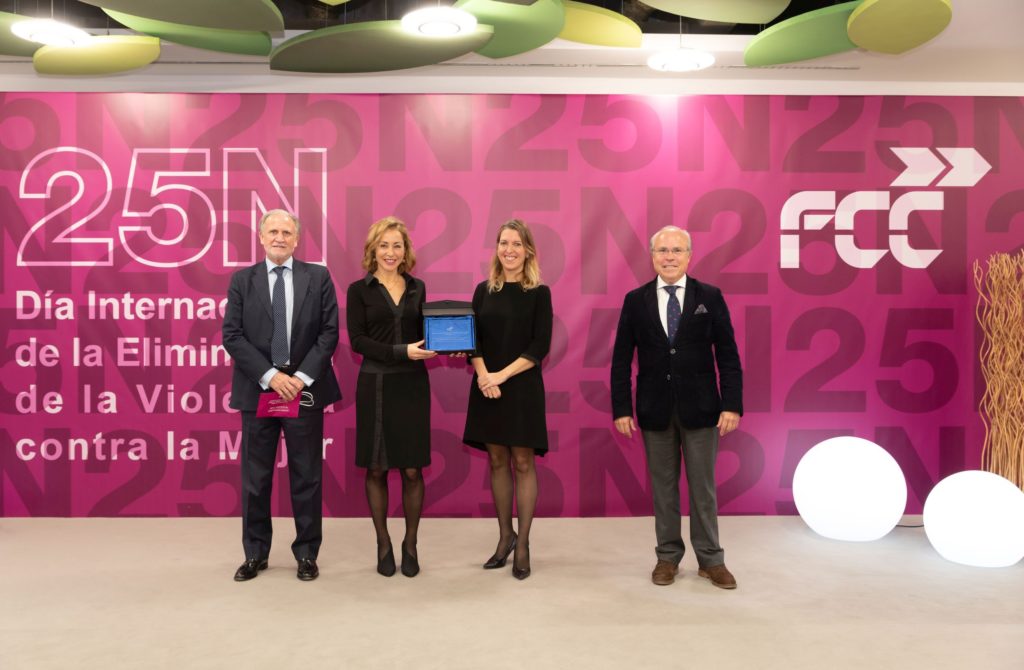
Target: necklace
393 285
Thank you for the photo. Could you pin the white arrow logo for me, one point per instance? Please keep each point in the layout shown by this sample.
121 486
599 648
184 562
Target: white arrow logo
924 166
968 166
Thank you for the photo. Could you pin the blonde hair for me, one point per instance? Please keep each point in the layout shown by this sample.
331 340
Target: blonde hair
531 268
376 232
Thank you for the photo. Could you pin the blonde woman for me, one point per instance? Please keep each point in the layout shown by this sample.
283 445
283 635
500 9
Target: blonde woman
506 400
385 326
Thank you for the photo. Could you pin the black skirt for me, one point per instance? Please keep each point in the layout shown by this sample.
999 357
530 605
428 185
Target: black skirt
393 420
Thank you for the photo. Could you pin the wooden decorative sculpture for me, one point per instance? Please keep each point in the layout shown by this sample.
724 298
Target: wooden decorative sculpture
1001 316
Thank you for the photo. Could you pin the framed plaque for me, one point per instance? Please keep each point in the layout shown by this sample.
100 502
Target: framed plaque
449 326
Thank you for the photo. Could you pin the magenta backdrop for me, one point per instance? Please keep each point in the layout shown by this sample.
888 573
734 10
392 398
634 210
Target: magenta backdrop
134 198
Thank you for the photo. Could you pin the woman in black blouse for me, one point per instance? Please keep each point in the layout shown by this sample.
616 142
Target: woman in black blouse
506 400
385 326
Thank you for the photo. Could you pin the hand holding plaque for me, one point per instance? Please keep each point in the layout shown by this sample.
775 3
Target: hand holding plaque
416 352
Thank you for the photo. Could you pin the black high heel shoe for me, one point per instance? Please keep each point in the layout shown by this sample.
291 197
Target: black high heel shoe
498 560
518 572
386 563
410 564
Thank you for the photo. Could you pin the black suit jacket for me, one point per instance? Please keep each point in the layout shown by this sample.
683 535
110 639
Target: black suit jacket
249 327
678 376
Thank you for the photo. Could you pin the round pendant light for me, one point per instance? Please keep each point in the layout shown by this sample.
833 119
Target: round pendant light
438 22
680 60
50 32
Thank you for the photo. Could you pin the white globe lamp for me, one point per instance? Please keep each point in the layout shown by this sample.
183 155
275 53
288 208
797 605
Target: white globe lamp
976 518
848 488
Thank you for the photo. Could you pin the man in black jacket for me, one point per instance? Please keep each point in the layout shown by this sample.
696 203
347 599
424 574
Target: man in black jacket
681 331
281 329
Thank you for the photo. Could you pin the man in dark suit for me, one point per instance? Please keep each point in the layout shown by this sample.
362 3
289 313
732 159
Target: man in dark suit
680 329
281 329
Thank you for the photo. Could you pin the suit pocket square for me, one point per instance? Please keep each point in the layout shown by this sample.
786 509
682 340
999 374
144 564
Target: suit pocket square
701 309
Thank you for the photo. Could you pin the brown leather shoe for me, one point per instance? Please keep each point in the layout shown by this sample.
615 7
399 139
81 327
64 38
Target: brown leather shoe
664 573
719 576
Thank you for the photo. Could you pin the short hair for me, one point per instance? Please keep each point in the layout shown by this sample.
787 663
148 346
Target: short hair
531 267
673 229
274 212
373 236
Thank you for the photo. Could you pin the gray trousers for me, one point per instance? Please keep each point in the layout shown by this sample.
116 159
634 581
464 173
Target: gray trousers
699 449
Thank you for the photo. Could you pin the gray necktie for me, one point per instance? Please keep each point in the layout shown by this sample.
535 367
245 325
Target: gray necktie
673 312
279 344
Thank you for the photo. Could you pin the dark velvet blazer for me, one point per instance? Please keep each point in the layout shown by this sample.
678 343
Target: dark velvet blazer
678 376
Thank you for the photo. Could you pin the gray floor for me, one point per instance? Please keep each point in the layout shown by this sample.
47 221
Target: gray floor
154 593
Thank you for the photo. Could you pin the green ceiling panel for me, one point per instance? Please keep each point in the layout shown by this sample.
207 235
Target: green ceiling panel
897 26
589 24
725 11
257 15
821 32
248 42
100 55
517 28
11 44
372 46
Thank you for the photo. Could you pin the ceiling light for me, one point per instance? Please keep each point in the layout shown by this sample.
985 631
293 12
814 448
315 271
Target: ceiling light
438 22
680 60
49 32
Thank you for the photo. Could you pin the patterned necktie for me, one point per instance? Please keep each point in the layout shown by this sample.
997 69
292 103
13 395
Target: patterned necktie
279 344
673 312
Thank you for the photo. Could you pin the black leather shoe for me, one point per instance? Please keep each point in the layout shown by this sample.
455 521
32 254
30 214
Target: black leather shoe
499 560
386 563
307 571
250 569
410 564
522 573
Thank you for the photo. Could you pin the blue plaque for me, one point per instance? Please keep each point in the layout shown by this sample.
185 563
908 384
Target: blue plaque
449 327
449 334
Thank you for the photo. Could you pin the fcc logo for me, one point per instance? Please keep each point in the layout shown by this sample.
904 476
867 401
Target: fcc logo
813 210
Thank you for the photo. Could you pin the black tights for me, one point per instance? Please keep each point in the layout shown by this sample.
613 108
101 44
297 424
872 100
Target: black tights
412 505
525 490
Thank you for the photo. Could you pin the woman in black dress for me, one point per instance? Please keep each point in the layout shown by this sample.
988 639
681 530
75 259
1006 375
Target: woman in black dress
506 399
385 326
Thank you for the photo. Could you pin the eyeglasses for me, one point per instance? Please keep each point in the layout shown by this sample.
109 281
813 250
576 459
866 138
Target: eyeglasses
675 251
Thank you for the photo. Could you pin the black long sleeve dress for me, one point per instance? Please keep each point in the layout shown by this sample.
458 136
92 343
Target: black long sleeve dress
392 391
511 323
